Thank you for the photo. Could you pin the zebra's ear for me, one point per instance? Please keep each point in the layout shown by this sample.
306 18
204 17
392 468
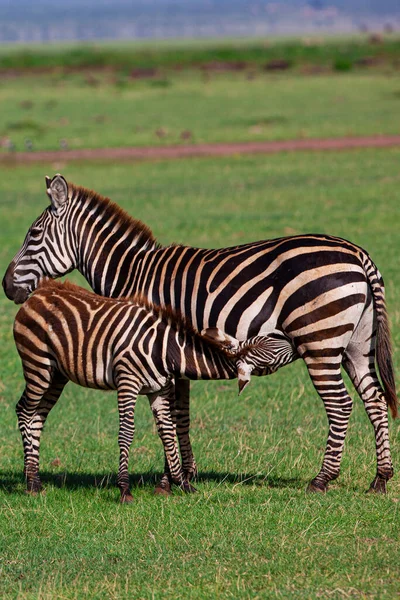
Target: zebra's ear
57 191
217 335
244 374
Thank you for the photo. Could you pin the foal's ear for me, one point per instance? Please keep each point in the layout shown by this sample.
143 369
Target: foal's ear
244 374
217 335
57 191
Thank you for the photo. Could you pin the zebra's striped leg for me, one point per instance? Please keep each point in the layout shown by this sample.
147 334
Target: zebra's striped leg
36 427
160 405
328 382
32 409
127 395
361 370
26 411
164 485
182 406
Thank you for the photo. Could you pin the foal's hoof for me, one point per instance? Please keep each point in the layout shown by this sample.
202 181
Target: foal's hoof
126 498
378 486
188 488
317 487
35 492
163 489
34 488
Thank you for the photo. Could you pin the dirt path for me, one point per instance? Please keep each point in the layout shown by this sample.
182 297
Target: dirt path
196 150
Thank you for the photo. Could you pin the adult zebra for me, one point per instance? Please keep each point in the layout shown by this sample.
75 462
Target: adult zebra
323 293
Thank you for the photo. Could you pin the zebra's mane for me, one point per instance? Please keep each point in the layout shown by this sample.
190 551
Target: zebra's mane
169 315
111 209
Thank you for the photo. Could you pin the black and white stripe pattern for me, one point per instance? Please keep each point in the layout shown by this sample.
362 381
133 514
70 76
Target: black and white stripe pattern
323 294
64 333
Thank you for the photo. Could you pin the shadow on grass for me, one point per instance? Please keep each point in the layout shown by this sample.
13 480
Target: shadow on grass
10 481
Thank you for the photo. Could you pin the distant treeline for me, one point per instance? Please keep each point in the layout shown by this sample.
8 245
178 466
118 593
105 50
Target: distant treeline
338 54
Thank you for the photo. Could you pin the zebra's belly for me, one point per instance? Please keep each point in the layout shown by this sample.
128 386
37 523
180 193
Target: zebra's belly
97 377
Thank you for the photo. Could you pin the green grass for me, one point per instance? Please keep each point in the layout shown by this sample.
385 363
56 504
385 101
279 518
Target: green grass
251 531
90 111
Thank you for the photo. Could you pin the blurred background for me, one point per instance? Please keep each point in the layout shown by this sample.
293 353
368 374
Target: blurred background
104 73
46 20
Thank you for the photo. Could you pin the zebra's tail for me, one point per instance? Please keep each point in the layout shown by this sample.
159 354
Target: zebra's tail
383 342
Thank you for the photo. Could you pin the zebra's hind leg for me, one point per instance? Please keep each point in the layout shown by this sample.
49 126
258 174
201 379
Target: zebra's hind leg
32 410
128 389
327 379
161 403
163 487
182 412
360 367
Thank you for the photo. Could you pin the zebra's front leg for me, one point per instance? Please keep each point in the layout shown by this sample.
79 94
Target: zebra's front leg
338 406
40 395
160 403
127 395
26 411
182 413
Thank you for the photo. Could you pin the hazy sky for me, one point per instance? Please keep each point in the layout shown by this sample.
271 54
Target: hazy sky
52 20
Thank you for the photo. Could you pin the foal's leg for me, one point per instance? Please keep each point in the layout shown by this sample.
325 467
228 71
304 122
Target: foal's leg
128 390
164 485
161 406
40 395
182 411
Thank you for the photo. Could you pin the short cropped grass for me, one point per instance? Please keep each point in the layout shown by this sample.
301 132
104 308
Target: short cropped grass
89 110
251 531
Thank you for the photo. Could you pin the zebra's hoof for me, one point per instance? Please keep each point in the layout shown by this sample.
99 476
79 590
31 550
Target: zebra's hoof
188 488
34 487
314 487
163 489
35 492
378 486
126 498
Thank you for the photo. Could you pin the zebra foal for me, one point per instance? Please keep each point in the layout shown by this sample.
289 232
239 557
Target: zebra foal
64 332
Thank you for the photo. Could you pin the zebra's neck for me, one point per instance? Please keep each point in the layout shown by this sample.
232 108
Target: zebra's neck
190 355
110 242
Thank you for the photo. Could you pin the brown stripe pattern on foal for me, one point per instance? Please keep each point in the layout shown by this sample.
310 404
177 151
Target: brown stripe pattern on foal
64 333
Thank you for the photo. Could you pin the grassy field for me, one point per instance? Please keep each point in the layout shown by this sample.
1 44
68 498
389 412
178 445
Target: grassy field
101 110
251 531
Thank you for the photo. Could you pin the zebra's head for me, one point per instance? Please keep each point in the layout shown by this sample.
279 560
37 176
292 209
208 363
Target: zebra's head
45 251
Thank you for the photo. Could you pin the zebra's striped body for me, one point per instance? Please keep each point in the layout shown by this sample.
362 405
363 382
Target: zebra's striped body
324 295
65 333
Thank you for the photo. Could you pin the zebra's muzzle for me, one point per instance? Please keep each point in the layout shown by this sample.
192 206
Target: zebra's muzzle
17 293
